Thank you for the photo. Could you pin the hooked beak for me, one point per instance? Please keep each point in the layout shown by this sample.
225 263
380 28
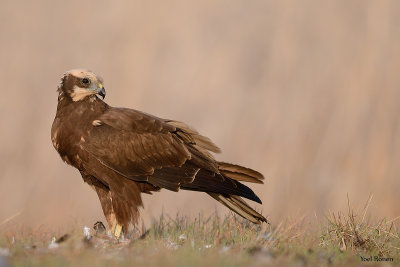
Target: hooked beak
102 92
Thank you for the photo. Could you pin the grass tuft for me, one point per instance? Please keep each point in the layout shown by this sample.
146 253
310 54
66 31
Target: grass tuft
355 233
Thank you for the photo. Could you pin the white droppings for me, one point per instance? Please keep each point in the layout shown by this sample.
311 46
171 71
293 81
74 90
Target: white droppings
53 244
86 232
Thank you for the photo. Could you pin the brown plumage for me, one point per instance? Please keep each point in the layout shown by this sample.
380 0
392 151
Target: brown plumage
122 153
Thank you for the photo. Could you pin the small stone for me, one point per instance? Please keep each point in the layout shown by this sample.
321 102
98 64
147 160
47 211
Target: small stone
99 228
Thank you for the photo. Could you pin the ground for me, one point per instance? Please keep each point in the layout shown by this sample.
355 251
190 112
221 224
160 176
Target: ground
338 239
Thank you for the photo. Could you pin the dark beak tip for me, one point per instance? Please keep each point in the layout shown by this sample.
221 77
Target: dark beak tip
102 93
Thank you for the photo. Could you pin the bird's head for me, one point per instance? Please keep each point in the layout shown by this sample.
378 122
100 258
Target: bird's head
79 84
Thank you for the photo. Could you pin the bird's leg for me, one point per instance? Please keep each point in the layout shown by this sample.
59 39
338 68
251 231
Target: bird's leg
112 230
107 206
116 229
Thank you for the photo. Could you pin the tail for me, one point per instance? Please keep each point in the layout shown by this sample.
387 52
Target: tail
237 205
227 189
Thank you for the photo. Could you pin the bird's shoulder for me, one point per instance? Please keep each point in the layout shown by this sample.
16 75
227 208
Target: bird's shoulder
132 120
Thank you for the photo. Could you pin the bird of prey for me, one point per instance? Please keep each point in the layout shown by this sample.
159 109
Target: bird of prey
123 152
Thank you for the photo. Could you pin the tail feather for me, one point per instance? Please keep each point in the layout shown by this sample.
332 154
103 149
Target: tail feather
237 205
240 173
239 201
206 181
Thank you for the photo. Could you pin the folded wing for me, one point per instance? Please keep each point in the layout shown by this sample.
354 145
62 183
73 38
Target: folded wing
169 154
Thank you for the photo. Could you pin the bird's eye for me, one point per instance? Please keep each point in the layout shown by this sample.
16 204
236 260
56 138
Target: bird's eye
85 81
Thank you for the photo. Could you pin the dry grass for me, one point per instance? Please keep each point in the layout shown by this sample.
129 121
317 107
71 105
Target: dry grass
224 241
356 234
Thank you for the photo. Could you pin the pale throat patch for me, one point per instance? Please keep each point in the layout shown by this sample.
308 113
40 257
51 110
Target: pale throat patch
80 93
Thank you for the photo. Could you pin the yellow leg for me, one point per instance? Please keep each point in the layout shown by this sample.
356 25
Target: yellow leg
116 229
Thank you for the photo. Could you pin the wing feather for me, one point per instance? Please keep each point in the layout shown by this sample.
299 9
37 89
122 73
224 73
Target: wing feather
190 135
136 145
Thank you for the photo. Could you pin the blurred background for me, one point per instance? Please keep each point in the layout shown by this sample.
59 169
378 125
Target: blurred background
307 92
